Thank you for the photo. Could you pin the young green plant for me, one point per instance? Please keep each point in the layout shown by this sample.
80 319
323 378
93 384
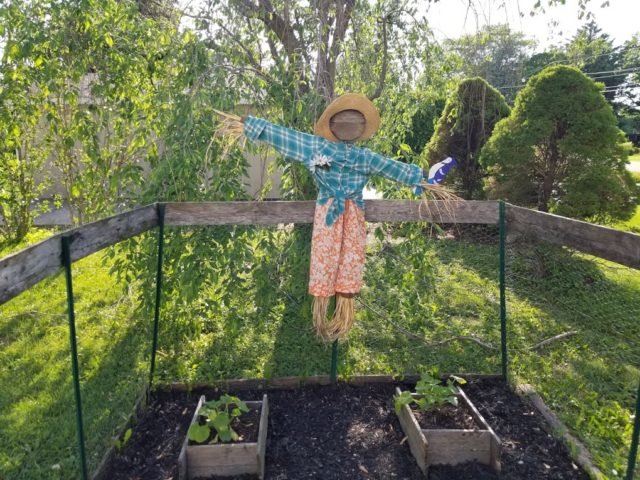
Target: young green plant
431 393
217 416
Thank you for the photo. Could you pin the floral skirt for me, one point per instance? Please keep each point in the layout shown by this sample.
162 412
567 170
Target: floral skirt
337 251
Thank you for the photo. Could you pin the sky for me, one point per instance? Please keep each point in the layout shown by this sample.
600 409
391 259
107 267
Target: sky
452 18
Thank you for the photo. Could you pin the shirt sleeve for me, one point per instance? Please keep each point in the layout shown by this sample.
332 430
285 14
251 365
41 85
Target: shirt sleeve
406 173
293 144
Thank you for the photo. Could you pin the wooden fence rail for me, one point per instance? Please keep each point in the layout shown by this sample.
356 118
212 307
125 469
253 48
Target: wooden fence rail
608 243
271 213
23 269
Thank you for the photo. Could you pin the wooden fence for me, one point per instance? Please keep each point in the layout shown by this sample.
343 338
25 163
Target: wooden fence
23 269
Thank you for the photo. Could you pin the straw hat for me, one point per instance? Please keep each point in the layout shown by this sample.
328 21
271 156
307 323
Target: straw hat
349 101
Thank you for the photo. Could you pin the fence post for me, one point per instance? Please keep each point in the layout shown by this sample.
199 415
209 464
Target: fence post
66 260
503 299
156 315
633 451
334 361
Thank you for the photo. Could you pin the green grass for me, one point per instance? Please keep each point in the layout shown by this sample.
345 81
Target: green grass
37 413
435 289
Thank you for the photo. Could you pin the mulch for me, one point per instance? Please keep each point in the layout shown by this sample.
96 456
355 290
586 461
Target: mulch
342 431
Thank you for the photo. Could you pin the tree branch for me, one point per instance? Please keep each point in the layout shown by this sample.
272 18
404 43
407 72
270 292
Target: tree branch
469 338
561 336
385 60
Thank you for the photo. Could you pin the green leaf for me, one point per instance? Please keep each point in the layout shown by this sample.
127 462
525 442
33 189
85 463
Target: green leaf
225 434
198 433
459 380
108 40
221 421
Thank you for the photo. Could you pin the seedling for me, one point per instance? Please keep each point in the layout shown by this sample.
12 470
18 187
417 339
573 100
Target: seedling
431 393
217 416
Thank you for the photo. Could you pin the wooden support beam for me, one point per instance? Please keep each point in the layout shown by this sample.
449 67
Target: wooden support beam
604 242
272 213
25 268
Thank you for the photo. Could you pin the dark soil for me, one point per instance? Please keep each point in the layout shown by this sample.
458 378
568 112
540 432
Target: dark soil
343 431
447 416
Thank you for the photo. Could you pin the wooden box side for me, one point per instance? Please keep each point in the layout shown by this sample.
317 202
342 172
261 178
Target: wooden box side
183 472
417 441
222 459
494 440
451 447
262 436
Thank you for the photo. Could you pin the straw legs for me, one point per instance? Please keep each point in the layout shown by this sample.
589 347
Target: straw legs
337 265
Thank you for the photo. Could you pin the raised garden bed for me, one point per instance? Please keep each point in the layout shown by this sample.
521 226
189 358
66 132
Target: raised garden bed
333 432
228 459
450 435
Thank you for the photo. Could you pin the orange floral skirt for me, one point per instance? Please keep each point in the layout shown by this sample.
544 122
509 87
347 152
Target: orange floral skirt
337 251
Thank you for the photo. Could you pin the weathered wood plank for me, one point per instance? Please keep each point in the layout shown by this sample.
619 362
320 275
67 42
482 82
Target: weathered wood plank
262 436
415 437
299 382
272 213
27 267
451 447
494 441
183 470
608 243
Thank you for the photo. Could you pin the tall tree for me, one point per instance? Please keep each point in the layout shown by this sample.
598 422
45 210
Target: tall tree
561 150
495 53
465 125
592 51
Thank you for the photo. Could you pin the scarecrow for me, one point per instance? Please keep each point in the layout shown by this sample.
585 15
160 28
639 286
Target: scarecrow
341 171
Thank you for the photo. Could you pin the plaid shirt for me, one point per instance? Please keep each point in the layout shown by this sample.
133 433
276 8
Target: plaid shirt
340 170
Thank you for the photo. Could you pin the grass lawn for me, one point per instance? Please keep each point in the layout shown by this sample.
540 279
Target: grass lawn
37 413
420 293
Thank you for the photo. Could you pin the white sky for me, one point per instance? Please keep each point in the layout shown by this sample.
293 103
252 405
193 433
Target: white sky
452 18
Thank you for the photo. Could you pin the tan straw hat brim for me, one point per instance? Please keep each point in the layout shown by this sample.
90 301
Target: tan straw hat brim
349 101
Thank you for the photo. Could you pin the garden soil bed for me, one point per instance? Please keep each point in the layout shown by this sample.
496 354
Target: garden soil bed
447 416
339 432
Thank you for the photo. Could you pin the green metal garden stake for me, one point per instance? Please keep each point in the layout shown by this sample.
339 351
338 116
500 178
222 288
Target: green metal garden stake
503 299
334 361
156 316
66 260
635 437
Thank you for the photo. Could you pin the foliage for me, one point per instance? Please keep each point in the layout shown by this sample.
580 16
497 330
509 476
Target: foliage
84 91
22 151
495 53
217 416
466 123
560 150
430 393
592 51
423 124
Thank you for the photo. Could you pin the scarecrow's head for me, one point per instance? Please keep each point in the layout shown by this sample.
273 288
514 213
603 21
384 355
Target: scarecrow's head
349 118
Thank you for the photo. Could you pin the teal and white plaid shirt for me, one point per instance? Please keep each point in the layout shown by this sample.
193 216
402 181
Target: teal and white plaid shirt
340 170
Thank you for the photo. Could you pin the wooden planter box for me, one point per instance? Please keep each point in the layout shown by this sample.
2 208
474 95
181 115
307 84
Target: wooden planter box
226 459
448 446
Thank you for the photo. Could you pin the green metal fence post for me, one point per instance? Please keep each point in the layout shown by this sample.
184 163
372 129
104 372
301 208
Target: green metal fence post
503 299
66 260
334 361
156 315
635 437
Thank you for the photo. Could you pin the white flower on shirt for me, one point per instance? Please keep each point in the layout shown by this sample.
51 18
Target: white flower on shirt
321 161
